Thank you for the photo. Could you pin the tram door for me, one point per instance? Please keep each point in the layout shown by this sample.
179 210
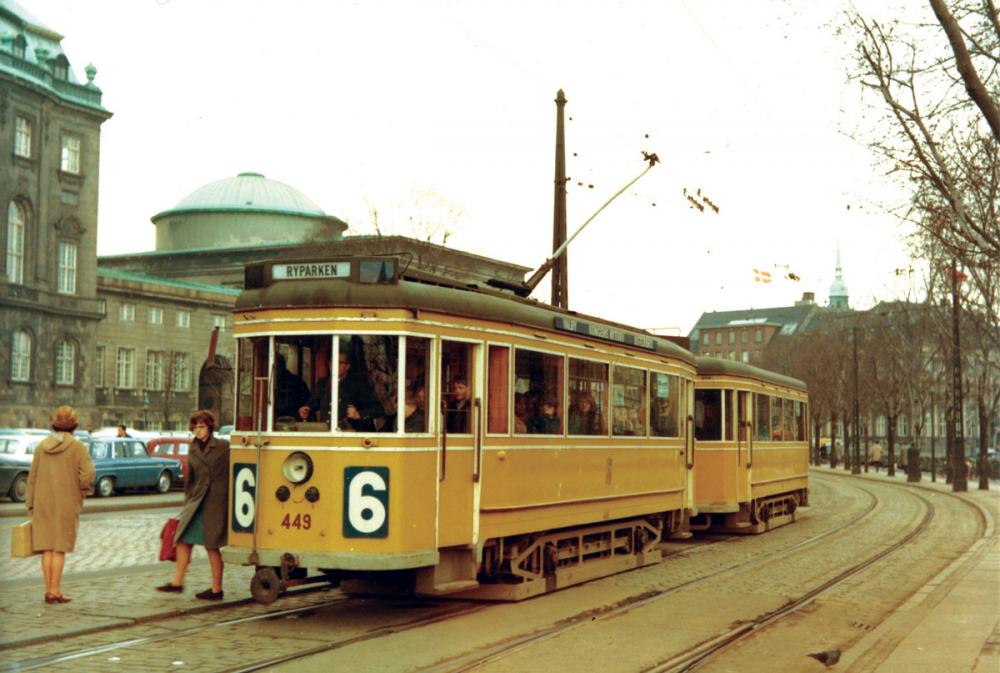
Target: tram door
744 445
459 440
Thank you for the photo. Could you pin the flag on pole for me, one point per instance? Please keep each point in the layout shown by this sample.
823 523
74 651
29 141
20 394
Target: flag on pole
761 276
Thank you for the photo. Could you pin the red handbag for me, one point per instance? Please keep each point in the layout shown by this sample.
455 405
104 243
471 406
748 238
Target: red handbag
168 551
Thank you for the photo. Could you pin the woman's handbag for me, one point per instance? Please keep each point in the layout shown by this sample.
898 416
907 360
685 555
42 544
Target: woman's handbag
20 540
168 551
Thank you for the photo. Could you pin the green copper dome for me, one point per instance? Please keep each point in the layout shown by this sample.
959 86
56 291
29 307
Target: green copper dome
249 192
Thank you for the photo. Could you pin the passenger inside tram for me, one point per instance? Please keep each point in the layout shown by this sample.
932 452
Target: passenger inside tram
290 391
459 406
545 422
357 408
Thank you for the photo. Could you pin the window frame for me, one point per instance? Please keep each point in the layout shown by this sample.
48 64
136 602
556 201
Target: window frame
62 367
22 136
21 357
561 409
125 368
66 268
17 228
70 153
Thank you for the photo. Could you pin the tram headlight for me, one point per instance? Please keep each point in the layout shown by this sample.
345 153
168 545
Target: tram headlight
297 468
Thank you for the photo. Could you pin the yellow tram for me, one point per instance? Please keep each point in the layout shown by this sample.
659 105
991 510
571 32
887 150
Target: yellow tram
751 468
469 442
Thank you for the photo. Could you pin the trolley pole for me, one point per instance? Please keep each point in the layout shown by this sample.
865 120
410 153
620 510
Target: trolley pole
560 268
959 482
856 464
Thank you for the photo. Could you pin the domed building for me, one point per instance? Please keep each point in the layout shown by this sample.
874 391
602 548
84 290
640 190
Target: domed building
246 210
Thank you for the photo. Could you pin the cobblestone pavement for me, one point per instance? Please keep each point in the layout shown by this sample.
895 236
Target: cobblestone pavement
104 542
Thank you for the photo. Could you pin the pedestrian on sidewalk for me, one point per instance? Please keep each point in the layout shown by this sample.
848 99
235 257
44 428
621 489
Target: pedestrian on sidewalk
206 500
60 476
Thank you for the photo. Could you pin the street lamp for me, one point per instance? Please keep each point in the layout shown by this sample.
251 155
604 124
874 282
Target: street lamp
856 464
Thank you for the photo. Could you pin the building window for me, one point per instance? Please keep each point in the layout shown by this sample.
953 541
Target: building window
126 312
880 426
744 336
154 370
22 137
65 363
903 425
69 161
718 338
20 356
126 368
155 315
66 281
102 306
746 356
184 318
732 336
182 372
19 45
219 321
69 198
15 243
705 338
60 67
99 366
732 355
758 336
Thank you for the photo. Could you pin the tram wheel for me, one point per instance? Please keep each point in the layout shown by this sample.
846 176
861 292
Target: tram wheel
265 586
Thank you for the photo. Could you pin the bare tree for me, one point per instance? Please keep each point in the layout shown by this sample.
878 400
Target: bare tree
936 86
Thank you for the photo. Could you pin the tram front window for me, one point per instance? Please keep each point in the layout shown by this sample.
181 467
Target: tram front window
366 383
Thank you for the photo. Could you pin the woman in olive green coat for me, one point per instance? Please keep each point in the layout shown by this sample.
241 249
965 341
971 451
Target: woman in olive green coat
61 473
206 503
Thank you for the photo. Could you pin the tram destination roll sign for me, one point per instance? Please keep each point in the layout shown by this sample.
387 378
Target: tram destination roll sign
310 270
604 332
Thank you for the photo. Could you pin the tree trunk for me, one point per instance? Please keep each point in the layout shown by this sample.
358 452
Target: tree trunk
833 441
891 441
984 429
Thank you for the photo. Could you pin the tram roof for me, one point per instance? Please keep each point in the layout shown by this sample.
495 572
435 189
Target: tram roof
416 291
710 366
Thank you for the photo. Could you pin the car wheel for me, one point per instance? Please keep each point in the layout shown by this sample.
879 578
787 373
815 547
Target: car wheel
19 489
163 484
106 487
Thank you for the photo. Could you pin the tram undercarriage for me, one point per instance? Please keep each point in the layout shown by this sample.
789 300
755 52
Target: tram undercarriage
755 517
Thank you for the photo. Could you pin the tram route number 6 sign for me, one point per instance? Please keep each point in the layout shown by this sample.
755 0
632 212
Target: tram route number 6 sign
366 502
244 492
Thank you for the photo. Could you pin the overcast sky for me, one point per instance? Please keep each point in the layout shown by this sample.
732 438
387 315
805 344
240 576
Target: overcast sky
368 104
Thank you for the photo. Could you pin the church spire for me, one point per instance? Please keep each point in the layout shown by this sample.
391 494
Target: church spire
839 298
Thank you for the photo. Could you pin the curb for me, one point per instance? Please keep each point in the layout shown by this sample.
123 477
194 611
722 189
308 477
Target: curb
19 510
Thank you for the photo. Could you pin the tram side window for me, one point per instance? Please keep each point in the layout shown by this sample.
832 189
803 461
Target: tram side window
457 386
800 422
251 384
417 365
588 397
498 396
293 359
664 404
729 421
762 406
788 424
708 414
539 380
777 431
628 401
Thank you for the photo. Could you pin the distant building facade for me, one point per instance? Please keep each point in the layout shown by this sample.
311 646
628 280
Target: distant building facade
50 143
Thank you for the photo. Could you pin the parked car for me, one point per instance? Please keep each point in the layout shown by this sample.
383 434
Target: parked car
171 447
123 463
16 454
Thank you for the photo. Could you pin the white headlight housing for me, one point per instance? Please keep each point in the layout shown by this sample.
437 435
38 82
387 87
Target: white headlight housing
297 468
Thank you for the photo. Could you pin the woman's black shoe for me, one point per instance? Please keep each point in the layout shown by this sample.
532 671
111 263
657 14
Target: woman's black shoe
209 595
171 588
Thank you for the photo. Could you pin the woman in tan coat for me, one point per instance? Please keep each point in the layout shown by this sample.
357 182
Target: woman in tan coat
206 502
61 474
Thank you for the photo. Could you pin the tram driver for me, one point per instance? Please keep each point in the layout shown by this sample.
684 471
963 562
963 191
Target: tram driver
357 408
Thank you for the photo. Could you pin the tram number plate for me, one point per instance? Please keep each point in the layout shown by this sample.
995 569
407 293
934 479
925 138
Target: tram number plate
366 502
299 521
244 496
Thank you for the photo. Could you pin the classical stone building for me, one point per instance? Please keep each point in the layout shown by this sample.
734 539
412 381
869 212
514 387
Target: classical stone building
50 142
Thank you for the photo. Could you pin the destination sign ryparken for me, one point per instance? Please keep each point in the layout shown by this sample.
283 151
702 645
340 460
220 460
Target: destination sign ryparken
310 270
604 332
